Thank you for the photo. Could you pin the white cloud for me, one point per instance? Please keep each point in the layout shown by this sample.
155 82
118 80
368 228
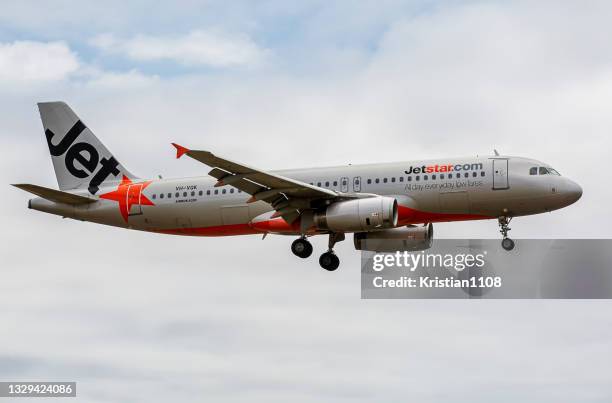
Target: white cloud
198 48
98 79
38 61
525 78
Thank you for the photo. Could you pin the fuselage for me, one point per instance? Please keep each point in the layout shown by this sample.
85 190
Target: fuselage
427 191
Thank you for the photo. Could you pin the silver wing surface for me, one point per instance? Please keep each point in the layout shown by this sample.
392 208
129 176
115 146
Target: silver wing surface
289 197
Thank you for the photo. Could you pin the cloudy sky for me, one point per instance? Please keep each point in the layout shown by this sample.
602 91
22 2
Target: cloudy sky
141 317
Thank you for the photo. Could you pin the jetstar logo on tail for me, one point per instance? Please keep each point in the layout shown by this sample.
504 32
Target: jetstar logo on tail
128 194
85 154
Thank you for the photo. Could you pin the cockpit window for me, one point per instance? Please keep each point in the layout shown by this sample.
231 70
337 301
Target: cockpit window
543 171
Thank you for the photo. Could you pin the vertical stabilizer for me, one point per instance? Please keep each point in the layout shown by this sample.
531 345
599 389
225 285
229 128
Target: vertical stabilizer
80 160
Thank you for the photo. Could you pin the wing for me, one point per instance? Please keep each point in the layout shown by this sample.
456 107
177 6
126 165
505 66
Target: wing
287 196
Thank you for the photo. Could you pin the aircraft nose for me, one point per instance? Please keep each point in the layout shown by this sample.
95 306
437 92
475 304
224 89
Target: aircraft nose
573 191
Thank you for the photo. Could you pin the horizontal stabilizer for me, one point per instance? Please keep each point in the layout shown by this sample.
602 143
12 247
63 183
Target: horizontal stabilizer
56 196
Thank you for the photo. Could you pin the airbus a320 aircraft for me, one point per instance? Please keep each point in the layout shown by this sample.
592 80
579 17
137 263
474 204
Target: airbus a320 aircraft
387 207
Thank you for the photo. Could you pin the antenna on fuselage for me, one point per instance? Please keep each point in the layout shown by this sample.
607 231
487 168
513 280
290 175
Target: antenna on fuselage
496 153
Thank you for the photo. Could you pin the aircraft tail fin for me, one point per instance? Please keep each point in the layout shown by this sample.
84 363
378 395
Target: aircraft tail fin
80 160
56 196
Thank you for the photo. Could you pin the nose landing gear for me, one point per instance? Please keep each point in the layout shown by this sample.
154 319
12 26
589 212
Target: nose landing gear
507 243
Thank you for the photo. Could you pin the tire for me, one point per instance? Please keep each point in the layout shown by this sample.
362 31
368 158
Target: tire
301 248
329 261
507 244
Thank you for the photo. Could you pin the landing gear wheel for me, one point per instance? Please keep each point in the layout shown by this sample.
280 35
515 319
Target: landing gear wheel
301 248
507 244
329 261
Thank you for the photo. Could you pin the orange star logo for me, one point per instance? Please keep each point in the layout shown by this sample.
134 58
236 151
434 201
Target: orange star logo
127 195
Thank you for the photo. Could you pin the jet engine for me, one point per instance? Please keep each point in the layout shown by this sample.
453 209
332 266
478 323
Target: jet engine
358 215
395 239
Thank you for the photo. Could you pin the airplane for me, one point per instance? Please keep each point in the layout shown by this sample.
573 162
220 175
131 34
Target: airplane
387 207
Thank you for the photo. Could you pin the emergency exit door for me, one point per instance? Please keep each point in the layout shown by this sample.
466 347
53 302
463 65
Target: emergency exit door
344 184
133 199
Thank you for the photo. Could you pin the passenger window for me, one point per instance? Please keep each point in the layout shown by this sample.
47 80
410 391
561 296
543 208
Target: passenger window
232 190
176 194
384 180
416 178
543 171
154 196
393 180
433 177
335 183
169 195
533 171
208 192
223 191
326 184
441 176
401 178
319 184
474 174
192 194
377 180
482 173
410 179
369 181
184 194
216 191
425 177
467 175
200 193
161 195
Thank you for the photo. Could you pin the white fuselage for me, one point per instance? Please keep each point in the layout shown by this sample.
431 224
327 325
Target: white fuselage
426 191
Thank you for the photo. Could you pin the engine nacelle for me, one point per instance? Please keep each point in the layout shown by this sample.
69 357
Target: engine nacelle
395 239
358 215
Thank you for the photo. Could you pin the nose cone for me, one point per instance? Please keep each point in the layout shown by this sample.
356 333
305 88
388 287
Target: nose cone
573 192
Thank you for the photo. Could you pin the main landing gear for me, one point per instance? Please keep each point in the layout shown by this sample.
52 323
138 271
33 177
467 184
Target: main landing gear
507 243
301 248
328 260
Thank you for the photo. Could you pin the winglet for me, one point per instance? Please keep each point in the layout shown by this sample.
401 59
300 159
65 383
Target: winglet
180 150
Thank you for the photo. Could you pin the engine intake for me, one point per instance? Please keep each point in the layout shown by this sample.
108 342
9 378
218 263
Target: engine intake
358 215
395 239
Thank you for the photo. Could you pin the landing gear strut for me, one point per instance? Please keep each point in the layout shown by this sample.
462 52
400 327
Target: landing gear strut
507 243
329 261
301 248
